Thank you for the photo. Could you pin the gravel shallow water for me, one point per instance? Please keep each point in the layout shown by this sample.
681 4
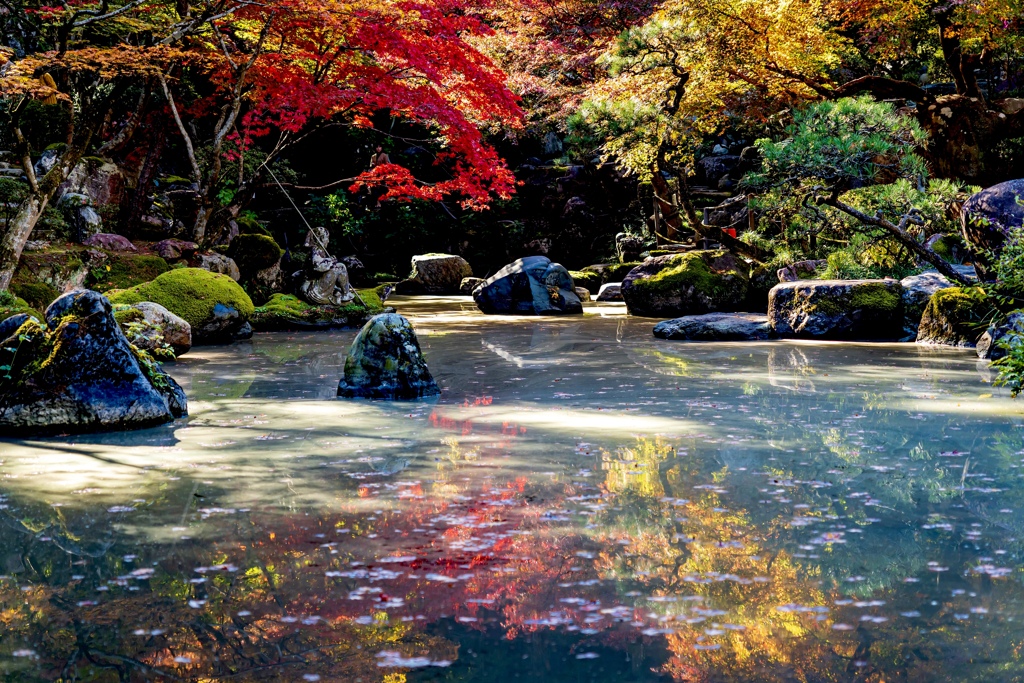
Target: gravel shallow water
584 502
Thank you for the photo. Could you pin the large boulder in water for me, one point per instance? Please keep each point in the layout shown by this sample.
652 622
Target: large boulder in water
837 309
918 290
987 219
435 274
1010 332
954 317
693 283
214 305
716 327
78 373
385 362
529 286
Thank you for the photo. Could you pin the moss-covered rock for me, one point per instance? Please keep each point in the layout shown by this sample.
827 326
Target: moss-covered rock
13 305
588 279
214 305
686 284
385 362
288 312
247 225
78 373
837 309
253 253
611 272
121 270
38 295
955 316
154 329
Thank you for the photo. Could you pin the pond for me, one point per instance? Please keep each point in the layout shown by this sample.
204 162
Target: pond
584 502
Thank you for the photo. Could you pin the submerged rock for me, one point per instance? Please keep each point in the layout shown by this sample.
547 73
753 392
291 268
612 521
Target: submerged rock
435 274
692 283
78 373
214 305
716 327
954 317
385 362
529 286
1010 331
837 309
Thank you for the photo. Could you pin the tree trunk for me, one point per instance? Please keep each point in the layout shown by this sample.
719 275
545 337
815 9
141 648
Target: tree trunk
18 230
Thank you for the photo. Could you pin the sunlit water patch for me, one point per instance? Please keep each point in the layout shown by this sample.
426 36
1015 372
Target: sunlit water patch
583 502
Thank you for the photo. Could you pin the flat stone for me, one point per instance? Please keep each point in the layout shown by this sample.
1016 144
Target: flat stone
716 327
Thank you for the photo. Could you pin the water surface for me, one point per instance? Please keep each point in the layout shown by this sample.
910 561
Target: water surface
582 503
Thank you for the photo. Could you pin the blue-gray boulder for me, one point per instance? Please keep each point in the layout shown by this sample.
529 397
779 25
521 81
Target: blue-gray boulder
529 286
385 362
92 378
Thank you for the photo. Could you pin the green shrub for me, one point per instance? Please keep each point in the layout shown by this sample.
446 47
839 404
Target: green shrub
1011 366
190 293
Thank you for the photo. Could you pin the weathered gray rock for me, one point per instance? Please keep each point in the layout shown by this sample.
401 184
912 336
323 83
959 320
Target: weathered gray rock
529 286
218 263
385 362
954 316
110 242
583 293
610 291
92 379
78 211
99 179
10 325
918 289
716 327
987 218
469 284
837 309
801 270
175 330
1010 331
692 283
173 249
435 274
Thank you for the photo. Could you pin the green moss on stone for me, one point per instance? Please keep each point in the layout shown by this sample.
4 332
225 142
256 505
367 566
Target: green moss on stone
190 293
686 270
248 225
253 253
282 310
955 316
38 295
14 305
875 296
586 278
125 270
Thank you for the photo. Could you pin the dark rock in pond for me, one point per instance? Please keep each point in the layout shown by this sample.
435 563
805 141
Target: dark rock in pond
110 242
10 325
716 327
173 249
837 309
987 218
529 286
610 291
435 274
91 380
469 284
954 317
385 362
584 294
692 283
991 346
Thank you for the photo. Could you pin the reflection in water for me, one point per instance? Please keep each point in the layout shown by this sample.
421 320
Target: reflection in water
589 504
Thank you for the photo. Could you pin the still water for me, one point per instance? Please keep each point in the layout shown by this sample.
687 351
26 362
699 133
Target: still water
583 503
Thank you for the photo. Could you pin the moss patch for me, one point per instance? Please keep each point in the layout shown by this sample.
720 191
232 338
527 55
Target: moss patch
586 278
283 311
13 305
125 270
955 316
692 270
38 295
190 293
